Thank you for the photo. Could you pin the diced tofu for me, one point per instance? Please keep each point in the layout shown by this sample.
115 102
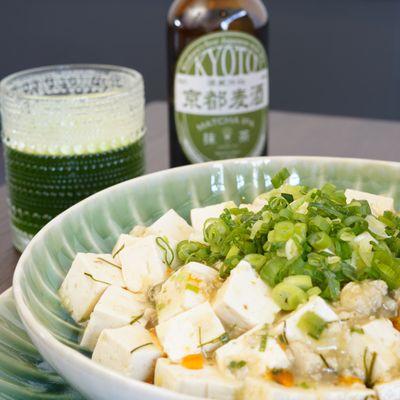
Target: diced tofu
263 389
143 264
172 226
199 216
206 383
253 207
346 393
130 350
389 390
88 278
188 287
138 231
244 300
197 236
316 305
123 242
307 362
260 353
380 337
190 332
378 204
117 307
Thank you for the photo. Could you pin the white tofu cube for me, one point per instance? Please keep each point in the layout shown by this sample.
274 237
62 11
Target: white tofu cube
206 383
199 216
260 353
197 236
143 264
88 278
389 390
345 393
171 225
316 305
380 337
138 231
123 242
244 300
378 204
117 307
188 287
130 350
263 389
255 208
190 332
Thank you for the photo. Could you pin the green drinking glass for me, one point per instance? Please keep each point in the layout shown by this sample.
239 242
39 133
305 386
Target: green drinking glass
68 131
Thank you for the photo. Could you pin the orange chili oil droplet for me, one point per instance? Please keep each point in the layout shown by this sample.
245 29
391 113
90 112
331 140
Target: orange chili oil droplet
193 361
349 380
396 323
283 377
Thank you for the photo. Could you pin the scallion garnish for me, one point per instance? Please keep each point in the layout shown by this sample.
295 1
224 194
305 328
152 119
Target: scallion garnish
369 368
141 346
118 251
279 179
96 280
235 365
136 319
263 343
103 260
303 231
164 245
312 324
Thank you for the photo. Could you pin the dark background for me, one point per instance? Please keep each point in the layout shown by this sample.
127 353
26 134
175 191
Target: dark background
327 56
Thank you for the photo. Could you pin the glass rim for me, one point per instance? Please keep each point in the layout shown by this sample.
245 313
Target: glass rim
8 92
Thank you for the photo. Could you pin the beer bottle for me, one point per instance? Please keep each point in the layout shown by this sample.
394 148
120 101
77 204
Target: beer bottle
218 79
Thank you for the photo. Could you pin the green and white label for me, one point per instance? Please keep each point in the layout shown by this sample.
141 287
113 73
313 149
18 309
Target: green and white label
222 97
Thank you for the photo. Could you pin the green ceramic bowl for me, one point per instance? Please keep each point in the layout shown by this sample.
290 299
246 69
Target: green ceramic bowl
94 224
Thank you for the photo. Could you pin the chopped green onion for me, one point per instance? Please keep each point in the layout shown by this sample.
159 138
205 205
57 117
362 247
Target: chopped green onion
369 368
233 252
192 288
301 281
288 197
312 324
320 241
283 337
136 319
346 235
319 223
263 343
103 260
390 274
279 179
118 251
224 338
283 231
140 347
324 360
315 291
164 245
360 331
288 297
270 271
257 261
233 365
93 278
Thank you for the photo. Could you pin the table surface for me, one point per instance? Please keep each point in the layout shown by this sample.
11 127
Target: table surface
290 134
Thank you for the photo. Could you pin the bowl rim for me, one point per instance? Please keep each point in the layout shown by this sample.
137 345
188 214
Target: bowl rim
36 327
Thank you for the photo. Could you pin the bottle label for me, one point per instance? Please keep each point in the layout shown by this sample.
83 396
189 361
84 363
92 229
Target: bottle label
222 97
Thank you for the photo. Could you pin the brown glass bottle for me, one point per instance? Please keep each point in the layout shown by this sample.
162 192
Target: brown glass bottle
222 131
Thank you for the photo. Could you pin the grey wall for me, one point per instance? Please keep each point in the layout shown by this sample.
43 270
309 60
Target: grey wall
327 56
